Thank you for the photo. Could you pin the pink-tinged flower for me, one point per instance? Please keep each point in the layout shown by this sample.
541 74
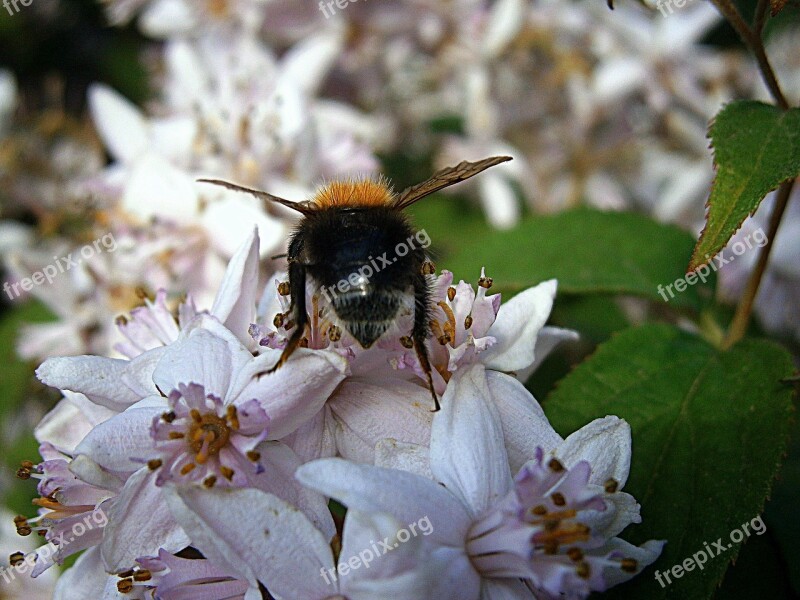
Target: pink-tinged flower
385 394
75 498
206 373
225 445
293 559
165 576
549 531
202 439
154 325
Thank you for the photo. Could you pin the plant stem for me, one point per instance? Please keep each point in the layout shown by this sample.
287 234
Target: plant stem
741 317
751 36
760 17
753 41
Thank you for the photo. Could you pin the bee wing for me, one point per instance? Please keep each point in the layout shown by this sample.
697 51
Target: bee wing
301 207
444 178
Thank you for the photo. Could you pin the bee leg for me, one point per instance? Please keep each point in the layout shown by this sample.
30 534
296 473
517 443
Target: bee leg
297 295
420 332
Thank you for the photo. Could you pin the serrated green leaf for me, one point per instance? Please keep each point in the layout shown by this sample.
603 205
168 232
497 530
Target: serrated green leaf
709 429
587 250
756 147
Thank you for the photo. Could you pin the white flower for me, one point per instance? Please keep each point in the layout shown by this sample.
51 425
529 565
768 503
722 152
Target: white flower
553 526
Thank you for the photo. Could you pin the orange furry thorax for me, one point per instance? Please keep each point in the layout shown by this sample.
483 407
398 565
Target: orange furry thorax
349 193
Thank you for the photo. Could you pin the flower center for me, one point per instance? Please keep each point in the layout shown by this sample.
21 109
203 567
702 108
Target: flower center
207 435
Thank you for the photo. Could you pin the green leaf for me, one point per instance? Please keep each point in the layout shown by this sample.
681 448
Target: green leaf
781 512
758 572
756 147
588 251
709 429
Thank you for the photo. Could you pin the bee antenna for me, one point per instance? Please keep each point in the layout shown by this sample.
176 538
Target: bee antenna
300 207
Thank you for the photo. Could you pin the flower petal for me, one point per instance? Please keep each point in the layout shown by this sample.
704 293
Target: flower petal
87 578
413 568
69 422
606 444
468 454
296 392
120 124
644 555
366 412
525 426
505 589
281 547
405 496
123 443
517 326
235 303
139 523
413 458
204 358
94 376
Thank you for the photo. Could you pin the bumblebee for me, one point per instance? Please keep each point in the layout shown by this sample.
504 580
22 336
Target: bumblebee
353 242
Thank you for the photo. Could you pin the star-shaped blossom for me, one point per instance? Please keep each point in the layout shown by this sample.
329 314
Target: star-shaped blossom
550 530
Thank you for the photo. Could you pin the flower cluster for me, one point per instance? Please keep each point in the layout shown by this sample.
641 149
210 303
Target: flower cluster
215 473
279 97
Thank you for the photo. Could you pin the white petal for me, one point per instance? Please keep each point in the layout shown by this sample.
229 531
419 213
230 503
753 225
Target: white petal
123 443
413 568
366 412
308 62
280 464
525 426
235 303
606 444
517 326
506 18
139 524
644 555
314 439
405 496
500 202
85 469
281 547
155 188
413 458
85 579
468 454
66 425
505 589
296 392
121 125
548 340
94 376
167 18
201 357
233 215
